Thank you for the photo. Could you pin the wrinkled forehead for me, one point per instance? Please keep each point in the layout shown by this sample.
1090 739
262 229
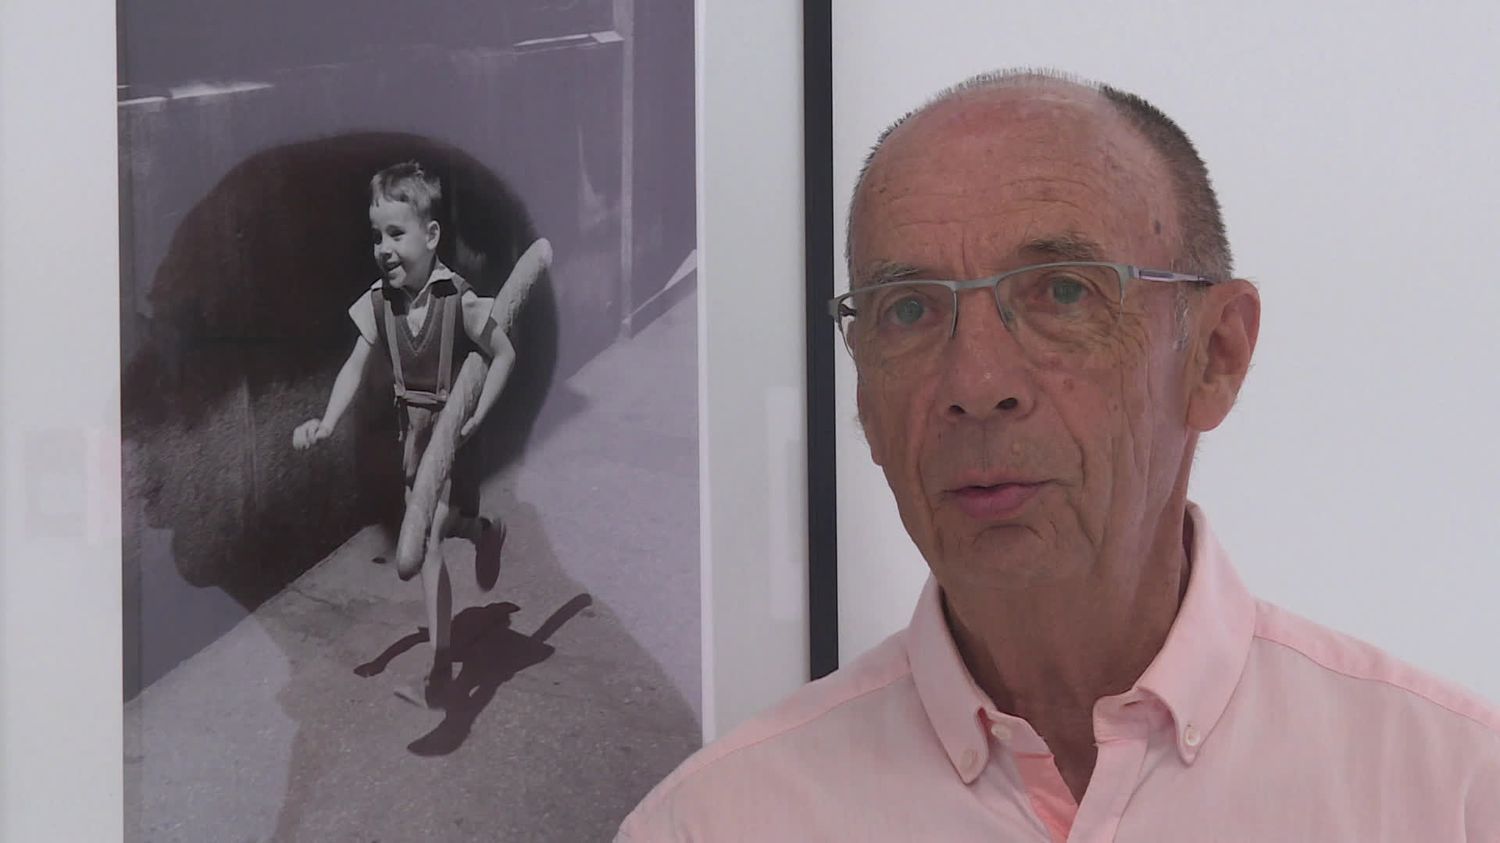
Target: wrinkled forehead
1005 167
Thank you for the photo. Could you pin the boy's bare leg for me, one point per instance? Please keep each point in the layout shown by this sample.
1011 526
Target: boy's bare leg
437 598
437 591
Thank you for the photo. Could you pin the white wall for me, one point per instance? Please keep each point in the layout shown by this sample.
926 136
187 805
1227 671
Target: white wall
750 215
60 689
1353 147
60 685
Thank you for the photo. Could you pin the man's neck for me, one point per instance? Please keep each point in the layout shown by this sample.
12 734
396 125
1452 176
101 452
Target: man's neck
1049 653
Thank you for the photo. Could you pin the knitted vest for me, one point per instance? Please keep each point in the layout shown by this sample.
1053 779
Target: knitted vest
422 363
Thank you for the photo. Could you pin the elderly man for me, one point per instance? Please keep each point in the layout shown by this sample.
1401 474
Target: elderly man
1044 320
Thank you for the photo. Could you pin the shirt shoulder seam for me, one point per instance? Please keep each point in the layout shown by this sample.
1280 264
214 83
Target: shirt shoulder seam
1270 636
781 732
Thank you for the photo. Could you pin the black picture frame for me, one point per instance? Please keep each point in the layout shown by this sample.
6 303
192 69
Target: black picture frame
822 484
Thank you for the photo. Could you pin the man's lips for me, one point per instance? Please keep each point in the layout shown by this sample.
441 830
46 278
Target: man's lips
993 501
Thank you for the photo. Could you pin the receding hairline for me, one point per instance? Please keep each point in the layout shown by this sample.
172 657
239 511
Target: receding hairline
1026 77
1204 245
1017 78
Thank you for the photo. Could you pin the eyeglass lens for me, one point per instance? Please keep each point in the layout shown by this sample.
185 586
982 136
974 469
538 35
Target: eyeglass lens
1059 306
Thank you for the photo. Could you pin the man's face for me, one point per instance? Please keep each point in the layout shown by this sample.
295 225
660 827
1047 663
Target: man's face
1014 462
403 242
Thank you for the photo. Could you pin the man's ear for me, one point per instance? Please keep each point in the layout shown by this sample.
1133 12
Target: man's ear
434 234
1228 322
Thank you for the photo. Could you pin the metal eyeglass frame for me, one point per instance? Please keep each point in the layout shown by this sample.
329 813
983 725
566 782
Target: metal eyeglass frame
1125 272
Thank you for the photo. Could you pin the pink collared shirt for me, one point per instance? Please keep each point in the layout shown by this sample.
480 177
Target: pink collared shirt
1251 724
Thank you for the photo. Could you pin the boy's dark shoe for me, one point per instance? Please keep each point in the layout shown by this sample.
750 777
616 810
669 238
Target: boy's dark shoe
487 544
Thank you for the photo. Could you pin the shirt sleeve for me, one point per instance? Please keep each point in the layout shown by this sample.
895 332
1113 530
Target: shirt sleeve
477 320
638 828
362 312
1482 807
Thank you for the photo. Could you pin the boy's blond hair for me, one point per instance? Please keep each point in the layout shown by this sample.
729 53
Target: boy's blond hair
411 183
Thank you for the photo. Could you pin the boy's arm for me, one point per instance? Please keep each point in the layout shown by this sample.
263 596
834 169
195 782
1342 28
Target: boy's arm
502 360
345 387
488 319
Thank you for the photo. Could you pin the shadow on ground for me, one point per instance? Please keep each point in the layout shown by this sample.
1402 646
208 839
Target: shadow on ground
559 723
488 653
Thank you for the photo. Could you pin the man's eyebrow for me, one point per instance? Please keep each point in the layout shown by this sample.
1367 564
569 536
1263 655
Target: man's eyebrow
881 272
1068 246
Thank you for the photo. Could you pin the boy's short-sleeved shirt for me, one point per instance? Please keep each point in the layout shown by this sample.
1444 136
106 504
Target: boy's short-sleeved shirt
477 318
1251 724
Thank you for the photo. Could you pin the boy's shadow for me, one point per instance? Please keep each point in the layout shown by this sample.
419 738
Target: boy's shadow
490 653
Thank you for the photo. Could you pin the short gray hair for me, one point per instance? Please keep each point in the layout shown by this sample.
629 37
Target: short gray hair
1204 247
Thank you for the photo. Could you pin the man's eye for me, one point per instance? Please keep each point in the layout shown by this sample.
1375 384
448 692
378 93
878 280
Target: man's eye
1065 289
908 311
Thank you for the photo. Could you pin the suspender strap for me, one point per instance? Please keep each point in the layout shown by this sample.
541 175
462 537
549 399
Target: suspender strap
448 299
452 304
391 338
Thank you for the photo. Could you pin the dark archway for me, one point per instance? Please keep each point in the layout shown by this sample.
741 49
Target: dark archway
249 327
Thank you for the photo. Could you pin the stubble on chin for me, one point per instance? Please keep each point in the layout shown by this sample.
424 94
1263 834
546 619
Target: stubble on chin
1010 557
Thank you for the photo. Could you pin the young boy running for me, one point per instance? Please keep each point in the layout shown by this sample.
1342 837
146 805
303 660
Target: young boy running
427 319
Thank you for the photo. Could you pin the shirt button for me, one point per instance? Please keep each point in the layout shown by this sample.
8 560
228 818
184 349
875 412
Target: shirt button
1191 736
1000 731
969 758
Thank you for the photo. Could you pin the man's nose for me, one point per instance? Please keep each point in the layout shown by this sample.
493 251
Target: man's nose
984 369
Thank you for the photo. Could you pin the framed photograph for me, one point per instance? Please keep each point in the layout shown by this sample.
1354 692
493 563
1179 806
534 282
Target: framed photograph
409 417
286 740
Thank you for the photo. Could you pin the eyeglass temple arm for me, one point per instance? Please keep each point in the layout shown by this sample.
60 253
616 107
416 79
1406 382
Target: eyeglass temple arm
1164 275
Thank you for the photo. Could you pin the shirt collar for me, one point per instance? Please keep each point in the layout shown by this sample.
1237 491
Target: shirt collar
954 703
440 272
1194 674
1200 663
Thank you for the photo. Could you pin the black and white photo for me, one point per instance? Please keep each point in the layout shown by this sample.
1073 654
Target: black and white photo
409 417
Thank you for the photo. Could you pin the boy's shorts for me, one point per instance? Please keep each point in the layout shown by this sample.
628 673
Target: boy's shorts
416 432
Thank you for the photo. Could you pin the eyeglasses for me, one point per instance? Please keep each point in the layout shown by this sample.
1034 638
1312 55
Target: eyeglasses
1071 305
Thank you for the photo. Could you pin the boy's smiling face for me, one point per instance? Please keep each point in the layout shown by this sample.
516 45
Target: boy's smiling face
404 243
